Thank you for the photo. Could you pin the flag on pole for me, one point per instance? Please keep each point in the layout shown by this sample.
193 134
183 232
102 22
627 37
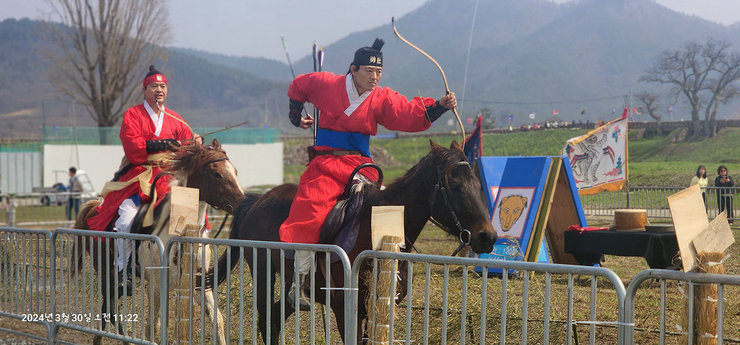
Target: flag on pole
531 116
473 146
511 117
555 112
599 158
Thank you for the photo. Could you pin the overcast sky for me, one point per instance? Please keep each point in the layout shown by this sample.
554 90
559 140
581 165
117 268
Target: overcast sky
254 27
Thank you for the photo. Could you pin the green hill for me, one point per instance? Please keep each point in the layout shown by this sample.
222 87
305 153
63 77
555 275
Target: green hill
526 56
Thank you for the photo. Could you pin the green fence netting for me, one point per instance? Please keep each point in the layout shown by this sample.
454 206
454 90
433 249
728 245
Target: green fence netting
109 135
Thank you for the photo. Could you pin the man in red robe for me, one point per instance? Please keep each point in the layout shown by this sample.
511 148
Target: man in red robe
148 133
351 107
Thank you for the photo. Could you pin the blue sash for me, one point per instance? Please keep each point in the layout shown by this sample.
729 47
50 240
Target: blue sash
344 140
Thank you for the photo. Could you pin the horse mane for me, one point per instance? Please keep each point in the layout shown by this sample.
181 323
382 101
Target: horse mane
437 156
192 156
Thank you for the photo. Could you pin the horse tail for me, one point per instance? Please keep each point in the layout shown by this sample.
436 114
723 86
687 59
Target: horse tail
85 212
223 260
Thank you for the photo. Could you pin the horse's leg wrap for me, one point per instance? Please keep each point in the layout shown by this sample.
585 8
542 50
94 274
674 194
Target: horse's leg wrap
303 264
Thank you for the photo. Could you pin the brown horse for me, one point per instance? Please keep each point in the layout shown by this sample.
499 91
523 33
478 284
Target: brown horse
194 165
442 186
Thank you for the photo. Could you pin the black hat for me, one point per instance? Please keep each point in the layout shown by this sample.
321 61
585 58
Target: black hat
152 71
370 56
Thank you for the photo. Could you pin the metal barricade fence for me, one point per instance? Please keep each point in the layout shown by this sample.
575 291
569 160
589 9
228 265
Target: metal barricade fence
25 280
466 307
49 283
35 210
245 292
86 278
727 285
654 201
29 209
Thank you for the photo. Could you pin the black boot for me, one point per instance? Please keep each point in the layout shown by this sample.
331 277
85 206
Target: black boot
304 303
125 282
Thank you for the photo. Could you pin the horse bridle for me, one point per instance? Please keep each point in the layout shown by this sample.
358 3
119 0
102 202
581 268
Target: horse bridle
442 186
224 205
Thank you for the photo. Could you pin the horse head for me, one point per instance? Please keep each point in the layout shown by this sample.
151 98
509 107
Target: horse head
457 200
207 167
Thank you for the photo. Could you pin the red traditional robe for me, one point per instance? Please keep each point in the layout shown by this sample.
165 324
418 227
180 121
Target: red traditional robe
326 175
138 127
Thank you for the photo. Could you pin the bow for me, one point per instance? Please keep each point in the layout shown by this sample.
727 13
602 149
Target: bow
444 78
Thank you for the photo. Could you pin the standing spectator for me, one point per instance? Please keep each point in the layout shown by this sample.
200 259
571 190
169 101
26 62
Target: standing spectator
701 179
75 188
725 195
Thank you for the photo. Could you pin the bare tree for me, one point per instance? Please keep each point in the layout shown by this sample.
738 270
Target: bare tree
722 91
649 100
105 46
690 71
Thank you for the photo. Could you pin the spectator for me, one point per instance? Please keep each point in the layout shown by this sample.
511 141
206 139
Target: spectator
701 179
725 195
74 188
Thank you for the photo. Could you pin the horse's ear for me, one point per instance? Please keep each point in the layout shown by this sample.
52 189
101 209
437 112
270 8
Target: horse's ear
215 144
433 145
455 146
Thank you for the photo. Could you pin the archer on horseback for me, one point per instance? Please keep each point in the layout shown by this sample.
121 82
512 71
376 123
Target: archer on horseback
351 107
148 133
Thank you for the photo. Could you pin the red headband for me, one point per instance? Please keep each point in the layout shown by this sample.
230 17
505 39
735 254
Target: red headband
154 78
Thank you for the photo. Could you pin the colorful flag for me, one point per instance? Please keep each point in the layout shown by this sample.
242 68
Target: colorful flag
531 116
599 158
473 146
511 117
555 112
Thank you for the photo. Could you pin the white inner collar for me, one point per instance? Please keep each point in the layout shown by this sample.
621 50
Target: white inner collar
354 99
158 119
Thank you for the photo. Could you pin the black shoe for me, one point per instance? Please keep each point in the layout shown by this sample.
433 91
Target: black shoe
125 283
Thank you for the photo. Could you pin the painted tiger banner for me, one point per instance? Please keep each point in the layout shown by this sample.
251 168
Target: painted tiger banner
599 158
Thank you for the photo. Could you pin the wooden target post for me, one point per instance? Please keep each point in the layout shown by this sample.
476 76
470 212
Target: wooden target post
702 247
184 292
387 235
184 214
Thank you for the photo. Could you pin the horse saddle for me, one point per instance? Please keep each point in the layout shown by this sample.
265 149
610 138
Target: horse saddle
341 226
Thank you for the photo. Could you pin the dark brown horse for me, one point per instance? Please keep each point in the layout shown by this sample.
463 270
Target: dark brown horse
441 186
205 167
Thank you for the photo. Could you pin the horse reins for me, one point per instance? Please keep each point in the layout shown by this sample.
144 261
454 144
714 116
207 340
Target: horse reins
442 187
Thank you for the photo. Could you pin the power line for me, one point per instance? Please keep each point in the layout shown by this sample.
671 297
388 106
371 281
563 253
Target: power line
547 102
